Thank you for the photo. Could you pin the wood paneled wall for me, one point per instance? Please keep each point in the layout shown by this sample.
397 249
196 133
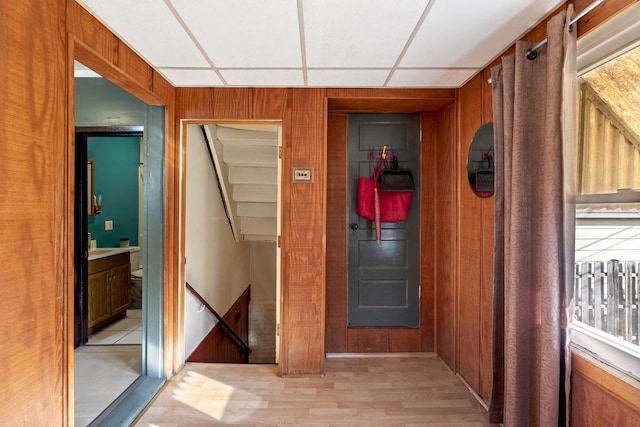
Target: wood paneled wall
339 337
303 237
39 41
474 248
444 258
466 314
91 43
600 398
303 116
306 234
33 212
218 346
336 268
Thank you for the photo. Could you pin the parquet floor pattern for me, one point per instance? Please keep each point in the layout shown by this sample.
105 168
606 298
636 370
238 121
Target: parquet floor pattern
394 390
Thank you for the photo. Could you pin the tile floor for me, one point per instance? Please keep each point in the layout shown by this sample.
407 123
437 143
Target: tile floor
104 368
125 331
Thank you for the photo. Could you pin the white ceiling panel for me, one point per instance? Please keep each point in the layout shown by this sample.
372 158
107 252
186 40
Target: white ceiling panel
431 78
191 77
346 78
472 33
358 33
320 43
249 33
251 77
150 28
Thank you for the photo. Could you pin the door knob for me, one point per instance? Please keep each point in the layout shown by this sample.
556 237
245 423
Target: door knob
354 226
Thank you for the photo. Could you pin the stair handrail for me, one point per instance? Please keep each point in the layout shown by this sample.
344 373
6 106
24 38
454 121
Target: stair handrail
224 324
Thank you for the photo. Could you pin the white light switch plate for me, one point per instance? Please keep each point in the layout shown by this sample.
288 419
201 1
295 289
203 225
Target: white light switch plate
108 225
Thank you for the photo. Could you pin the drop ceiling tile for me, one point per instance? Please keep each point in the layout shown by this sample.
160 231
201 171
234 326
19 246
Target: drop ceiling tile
249 33
150 28
346 78
358 33
472 33
431 78
250 77
179 77
81 70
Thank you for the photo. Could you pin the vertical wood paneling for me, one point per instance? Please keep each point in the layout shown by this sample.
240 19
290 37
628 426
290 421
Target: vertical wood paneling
218 346
269 103
336 270
83 26
475 320
174 244
304 227
445 215
428 231
132 65
34 174
33 184
374 340
231 103
600 14
194 103
285 201
600 398
486 283
404 340
469 239
95 46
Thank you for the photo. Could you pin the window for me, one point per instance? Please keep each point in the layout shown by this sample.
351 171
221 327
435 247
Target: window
606 321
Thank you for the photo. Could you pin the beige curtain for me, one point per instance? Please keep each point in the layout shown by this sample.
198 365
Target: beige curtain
534 120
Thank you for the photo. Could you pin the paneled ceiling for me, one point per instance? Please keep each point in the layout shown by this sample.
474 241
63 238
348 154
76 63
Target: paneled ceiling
319 43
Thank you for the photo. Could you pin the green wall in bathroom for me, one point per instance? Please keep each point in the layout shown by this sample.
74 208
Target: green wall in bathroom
116 161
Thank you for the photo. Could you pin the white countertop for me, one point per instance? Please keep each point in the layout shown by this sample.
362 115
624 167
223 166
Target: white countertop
105 252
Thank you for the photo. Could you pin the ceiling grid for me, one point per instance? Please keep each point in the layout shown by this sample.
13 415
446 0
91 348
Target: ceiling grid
319 43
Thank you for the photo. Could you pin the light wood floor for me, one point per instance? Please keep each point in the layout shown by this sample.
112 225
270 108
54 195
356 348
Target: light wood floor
395 390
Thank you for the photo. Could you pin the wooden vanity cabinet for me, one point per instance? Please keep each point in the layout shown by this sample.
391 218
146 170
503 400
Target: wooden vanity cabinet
109 283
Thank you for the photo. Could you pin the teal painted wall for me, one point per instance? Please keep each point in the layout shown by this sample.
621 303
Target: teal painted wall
116 161
101 103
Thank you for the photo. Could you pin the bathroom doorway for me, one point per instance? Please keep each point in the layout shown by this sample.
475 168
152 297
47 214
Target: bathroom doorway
109 222
118 311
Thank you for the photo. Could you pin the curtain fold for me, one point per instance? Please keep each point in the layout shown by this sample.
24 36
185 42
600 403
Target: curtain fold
533 118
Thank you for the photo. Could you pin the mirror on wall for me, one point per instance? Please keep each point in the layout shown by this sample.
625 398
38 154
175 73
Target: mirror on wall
480 162
90 188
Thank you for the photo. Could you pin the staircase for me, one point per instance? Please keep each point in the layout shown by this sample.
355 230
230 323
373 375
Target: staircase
246 163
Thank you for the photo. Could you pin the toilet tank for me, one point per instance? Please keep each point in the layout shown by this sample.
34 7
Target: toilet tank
136 258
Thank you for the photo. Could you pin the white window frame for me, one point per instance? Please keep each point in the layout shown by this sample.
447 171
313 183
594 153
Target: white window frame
612 39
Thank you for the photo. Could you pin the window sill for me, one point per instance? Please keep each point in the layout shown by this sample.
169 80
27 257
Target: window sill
617 354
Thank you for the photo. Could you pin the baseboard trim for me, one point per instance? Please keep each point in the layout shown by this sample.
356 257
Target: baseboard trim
378 355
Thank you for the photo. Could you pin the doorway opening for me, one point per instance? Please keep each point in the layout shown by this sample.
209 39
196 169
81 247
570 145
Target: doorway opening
233 180
118 224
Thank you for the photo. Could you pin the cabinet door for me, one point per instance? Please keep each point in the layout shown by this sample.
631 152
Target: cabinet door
99 298
120 288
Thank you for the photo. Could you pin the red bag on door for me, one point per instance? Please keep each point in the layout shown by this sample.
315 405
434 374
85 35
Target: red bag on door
394 205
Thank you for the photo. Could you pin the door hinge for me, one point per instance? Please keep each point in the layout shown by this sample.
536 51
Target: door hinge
279 241
280 152
419 292
277 329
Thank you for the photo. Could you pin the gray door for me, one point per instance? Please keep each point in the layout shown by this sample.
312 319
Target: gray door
383 282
